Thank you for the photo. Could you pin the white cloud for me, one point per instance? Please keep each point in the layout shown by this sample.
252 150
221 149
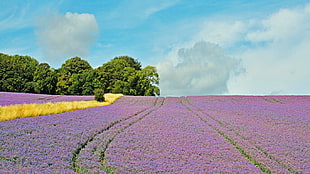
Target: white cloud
284 25
13 18
158 6
131 13
278 58
273 51
63 36
201 69
223 33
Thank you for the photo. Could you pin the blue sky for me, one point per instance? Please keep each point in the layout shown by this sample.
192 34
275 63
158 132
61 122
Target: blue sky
199 47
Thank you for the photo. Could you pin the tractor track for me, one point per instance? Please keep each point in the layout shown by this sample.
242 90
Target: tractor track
108 134
229 135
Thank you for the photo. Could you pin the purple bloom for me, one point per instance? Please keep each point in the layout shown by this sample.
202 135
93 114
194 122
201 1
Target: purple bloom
10 98
202 134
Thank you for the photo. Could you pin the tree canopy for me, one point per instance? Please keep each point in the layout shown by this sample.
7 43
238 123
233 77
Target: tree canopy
76 76
124 75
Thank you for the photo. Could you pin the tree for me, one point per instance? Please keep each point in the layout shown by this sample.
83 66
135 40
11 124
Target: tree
64 81
76 77
131 62
76 65
16 73
124 75
68 71
148 81
85 83
99 95
45 79
121 87
113 71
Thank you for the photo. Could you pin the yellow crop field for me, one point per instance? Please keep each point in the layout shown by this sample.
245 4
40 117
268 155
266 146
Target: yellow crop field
33 110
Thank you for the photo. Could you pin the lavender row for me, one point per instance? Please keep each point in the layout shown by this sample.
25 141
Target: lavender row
212 134
10 98
173 140
273 129
47 144
91 159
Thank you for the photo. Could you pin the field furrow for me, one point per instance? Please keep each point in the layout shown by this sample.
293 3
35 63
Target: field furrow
173 140
232 137
92 156
198 134
269 131
49 143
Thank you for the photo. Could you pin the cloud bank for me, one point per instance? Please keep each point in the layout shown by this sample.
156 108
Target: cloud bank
64 36
277 56
273 53
201 69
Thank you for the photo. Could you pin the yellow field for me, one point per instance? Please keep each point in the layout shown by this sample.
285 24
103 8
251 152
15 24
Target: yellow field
33 110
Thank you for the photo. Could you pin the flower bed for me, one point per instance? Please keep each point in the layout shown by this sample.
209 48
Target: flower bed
48 144
10 98
202 134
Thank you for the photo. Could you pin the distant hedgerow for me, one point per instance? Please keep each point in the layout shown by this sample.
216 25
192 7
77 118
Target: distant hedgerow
99 95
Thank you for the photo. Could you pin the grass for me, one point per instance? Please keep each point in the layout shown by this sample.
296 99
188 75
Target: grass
33 110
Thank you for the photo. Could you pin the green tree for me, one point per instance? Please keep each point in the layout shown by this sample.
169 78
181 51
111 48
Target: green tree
148 81
76 65
85 83
112 71
69 70
64 81
121 87
134 63
45 79
124 75
16 74
99 95
120 75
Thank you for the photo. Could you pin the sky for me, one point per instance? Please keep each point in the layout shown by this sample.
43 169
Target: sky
199 47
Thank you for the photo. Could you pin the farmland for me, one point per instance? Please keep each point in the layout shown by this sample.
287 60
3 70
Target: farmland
19 105
198 134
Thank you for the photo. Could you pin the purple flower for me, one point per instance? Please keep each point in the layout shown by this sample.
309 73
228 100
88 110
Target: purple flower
202 134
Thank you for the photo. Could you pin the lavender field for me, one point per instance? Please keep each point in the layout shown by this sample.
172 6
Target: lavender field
10 98
202 134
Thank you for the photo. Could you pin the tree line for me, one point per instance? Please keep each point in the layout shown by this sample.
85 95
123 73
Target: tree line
76 77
